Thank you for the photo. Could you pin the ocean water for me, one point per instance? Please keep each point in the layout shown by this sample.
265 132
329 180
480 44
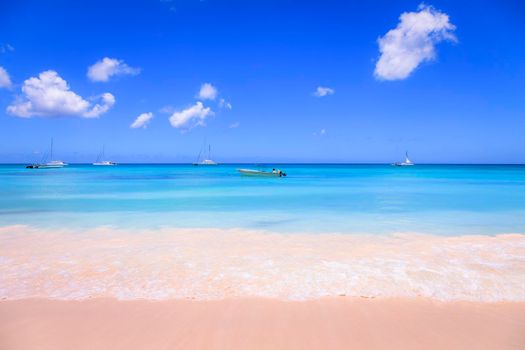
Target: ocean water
178 231
378 199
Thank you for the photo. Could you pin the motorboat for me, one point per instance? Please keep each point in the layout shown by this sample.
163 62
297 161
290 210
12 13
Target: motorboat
252 172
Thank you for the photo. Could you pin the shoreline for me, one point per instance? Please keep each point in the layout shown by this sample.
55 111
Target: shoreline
214 264
256 323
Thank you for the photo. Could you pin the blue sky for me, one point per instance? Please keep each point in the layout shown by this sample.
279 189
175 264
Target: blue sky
448 84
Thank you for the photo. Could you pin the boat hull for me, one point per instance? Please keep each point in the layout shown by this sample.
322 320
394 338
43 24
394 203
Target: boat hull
205 162
43 166
250 172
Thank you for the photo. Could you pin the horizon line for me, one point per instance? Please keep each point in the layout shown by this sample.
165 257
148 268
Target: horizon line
277 162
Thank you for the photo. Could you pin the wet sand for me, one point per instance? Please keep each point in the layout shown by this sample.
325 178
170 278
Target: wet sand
254 323
214 264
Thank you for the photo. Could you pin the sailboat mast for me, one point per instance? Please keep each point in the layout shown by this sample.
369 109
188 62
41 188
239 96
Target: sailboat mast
100 155
199 156
209 151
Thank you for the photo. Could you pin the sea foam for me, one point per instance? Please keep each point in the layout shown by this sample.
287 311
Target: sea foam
223 263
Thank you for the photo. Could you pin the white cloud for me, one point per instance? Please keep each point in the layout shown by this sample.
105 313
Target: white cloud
225 104
142 121
208 92
5 81
49 96
167 109
323 91
412 42
191 116
6 48
108 67
98 109
234 125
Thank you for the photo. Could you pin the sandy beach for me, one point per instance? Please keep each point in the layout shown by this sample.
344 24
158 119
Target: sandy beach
108 288
330 323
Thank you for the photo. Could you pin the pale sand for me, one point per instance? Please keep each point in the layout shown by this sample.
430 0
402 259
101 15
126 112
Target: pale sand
333 323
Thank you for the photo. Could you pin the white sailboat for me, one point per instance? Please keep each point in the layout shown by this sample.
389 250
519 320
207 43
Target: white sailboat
52 163
206 161
100 159
407 161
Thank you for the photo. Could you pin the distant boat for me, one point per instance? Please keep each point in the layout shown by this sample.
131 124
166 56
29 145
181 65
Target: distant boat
206 161
53 164
252 172
33 166
100 159
105 163
407 161
50 164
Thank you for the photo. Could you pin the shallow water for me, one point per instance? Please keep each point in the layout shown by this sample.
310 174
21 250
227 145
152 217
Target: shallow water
437 199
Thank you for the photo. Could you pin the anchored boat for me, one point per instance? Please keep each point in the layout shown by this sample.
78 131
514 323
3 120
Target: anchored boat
100 159
252 172
206 161
407 161
50 164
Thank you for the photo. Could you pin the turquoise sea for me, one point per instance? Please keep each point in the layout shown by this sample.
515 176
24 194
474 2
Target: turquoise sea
437 199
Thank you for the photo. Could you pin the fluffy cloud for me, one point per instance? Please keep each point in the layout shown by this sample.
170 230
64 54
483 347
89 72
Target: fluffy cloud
323 91
412 42
234 125
49 96
191 116
5 81
108 100
142 121
208 92
225 104
108 67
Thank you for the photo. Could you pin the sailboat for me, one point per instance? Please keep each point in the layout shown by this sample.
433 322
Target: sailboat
407 161
206 161
51 164
100 159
